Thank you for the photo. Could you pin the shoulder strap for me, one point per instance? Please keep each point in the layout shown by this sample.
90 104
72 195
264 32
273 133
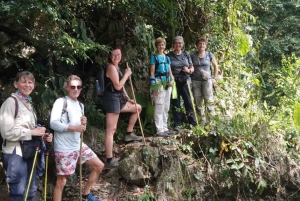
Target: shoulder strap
16 106
64 110
156 62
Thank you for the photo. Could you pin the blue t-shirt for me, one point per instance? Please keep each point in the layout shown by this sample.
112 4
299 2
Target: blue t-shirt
163 65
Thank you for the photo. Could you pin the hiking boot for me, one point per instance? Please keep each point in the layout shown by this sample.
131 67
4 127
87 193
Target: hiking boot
112 164
132 137
90 197
169 132
162 134
177 128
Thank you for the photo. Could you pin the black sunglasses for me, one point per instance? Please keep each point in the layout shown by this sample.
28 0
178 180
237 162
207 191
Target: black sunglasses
74 87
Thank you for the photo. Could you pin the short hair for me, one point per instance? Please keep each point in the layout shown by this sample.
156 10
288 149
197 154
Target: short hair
25 74
110 53
201 40
71 78
160 40
178 38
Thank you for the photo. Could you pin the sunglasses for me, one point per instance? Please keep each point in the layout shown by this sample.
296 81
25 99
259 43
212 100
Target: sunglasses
74 87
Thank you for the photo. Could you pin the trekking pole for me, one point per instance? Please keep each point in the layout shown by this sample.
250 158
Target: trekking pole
80 166
48 147
32 170
138 114
193 103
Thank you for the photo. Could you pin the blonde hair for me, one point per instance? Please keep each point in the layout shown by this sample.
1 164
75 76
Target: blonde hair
25 74
160 40
69 79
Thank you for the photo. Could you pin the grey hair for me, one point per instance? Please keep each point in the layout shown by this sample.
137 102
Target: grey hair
178 38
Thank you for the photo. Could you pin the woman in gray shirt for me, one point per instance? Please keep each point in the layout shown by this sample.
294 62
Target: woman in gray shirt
202 81
182 67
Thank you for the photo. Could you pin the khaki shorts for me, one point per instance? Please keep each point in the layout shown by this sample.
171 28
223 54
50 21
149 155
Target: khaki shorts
66 161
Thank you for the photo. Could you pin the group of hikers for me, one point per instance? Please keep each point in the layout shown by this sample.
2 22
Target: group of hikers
18 120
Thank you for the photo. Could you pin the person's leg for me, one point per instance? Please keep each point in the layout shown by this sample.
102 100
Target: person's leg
209 98
131 108
177 114
91 159
111 126
166 104
198 97
65 163
61 181
16 175
158 111
188 105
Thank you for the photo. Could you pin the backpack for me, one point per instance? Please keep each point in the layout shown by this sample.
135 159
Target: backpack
64 110
157 63
100 82
2 141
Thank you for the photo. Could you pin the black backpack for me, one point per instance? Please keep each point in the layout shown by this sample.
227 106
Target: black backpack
100 82
2 141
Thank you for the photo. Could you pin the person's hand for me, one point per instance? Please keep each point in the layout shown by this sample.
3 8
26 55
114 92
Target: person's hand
170 83
48 137
131 101
83 120
39 131
155 93
186 69
80 128
128 71
214 82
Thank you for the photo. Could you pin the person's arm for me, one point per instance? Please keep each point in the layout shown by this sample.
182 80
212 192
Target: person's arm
9 129
55 118
190 68
216 69
113 75
152 73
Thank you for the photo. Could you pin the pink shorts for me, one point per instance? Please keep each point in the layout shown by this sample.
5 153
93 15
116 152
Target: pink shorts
66 161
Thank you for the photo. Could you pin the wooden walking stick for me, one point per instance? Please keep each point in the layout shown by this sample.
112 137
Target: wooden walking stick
80 166
137 111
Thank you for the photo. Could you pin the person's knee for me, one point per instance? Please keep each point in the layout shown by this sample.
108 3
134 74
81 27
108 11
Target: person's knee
61 182
111 130
99 167
139 108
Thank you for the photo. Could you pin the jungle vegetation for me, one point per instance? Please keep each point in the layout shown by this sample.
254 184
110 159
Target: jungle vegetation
256 43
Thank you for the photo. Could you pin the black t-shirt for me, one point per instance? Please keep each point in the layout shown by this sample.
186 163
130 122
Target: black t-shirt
179 61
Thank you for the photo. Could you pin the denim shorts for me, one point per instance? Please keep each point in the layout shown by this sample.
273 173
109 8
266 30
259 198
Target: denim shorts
111 103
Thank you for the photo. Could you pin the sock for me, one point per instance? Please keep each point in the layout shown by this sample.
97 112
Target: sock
128 133
108 160
85 196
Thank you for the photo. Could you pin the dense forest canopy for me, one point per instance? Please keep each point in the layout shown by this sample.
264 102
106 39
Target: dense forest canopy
256 43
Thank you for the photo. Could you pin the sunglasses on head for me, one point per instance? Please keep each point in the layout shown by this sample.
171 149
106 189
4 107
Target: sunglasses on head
74 87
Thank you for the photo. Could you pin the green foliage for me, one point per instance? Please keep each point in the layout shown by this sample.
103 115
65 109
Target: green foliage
147 195
297 115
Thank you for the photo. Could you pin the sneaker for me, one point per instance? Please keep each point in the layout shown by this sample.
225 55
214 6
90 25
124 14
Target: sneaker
169 132
177 128
90 197
162 134
112 164
132 137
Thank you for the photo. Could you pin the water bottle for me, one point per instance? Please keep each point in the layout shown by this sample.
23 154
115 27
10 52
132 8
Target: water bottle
97 87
